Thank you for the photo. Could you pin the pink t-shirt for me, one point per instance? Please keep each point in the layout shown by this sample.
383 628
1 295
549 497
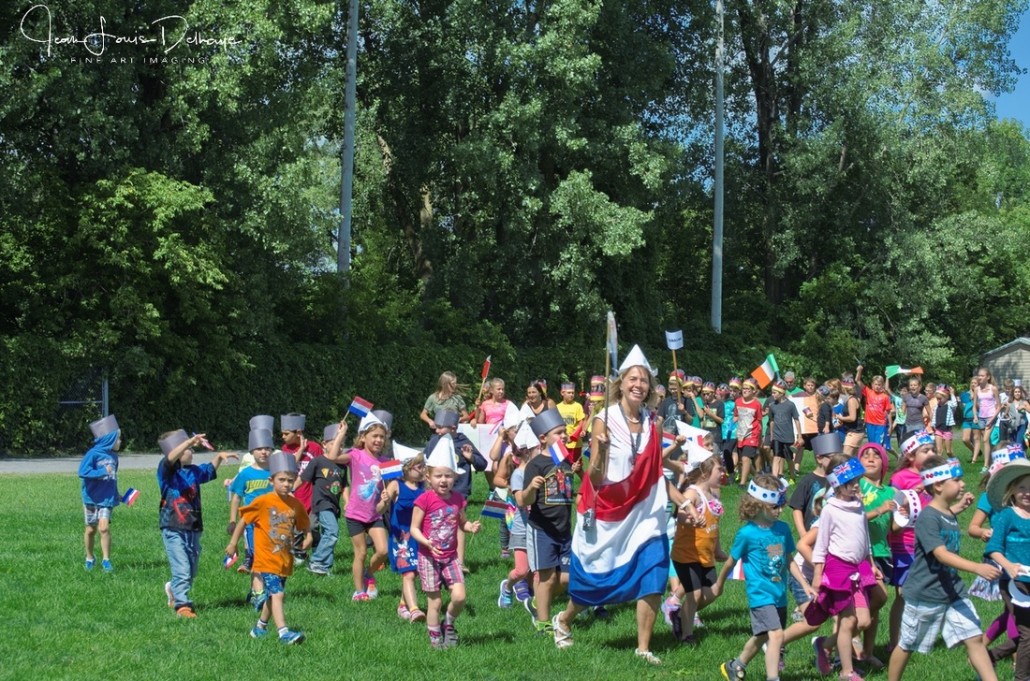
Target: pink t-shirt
493 412
440 524
903 542
366 485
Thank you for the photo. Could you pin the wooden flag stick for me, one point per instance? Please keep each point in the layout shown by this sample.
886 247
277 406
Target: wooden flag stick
674 367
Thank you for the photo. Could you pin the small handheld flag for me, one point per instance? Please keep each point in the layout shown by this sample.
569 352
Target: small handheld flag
765 373
360 407
738 570
391 470
229 561
894 369
205 444
674 339
492 508
668 440
486 368
559 453
130 496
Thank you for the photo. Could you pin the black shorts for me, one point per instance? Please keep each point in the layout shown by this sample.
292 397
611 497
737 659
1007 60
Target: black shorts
356 527
749 452
782 450
694 576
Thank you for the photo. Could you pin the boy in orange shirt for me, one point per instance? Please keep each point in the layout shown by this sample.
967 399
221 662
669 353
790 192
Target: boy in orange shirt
275 518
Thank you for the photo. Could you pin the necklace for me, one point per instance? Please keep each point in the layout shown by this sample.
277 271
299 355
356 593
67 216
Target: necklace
632 420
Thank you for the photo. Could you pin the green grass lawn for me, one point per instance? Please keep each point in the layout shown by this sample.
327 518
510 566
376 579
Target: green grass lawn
61 622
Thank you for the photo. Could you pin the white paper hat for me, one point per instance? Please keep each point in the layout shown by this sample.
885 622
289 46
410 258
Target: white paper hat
368 421
696 454
910 498
636 358
524 437
403 453
444 456
512 417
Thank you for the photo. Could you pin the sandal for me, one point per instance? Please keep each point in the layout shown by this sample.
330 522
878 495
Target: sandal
562 636
648 657
416 615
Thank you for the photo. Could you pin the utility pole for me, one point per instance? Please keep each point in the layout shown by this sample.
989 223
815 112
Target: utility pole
717 226
347 183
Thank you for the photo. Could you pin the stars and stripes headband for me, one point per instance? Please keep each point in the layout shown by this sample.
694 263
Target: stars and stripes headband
909 447
852 469
776 497
952 469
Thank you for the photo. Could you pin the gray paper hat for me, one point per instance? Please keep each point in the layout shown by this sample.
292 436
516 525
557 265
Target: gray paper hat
546 421
282 462
260 438
262 421
330 431
106 425
827 444
172 440
446 419
292 421
384 416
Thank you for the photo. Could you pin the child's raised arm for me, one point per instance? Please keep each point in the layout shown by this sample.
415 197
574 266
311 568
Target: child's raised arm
335 451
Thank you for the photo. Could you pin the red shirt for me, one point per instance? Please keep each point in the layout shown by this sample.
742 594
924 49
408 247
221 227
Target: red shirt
876 406
311 452
749 422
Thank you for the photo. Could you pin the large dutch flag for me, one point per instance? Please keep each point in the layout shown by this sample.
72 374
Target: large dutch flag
625 556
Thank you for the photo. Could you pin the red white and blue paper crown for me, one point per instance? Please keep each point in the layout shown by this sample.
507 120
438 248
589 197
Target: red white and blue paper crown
1005 455
852 469
911 444
952 469
777 497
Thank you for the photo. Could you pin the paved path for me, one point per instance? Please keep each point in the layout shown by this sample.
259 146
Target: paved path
70 464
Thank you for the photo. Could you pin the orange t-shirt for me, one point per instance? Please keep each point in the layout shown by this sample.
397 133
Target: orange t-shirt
275 519
697 544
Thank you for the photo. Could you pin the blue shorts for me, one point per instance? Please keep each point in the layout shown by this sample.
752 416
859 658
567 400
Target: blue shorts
274 584
878 435
902 564
800 596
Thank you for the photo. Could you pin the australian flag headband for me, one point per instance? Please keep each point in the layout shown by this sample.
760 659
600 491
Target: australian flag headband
852 469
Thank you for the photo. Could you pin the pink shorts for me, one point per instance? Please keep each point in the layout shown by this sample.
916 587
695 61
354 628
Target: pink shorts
945 435
436 573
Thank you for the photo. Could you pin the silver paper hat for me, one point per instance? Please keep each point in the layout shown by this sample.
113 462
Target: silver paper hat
172 440
102 427
261 438
292 421
282 462
262 421
546 421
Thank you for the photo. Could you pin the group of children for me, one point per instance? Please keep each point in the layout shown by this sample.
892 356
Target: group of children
857 535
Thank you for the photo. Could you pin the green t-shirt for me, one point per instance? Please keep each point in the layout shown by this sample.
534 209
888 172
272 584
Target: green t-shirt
453 403
873 496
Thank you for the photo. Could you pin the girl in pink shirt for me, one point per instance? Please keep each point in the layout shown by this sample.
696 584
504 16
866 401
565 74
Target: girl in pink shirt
491 411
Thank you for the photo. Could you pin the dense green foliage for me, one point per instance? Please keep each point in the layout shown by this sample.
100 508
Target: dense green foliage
521 168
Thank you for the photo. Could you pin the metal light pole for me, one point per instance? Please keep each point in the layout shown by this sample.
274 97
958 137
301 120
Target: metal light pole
347 183
717 226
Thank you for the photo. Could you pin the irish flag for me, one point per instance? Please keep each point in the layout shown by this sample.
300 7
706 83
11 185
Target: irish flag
895 369
766 372
624 554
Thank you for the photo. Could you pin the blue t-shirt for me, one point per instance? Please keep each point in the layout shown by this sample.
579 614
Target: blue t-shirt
984 504
729 424
766 555
1011 538
180 494
250 483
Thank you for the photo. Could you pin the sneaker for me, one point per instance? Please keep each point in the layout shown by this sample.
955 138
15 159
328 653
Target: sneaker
186 612
648 657
732 671
403 612
297 562
259 599
669 605
601 612
291 637
370 588
450 636
530 604
259 632
317 570
504 598
360 596
417 615
853 676
90 562
521 590
543 627
106 564
505 554
698 624
822 660
436 640
168 593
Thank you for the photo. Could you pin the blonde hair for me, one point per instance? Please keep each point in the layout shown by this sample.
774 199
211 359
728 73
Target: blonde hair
412 462
359 441
751 508
702 471
1010 492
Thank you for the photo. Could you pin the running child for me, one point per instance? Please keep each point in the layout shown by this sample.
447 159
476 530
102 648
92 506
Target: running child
399 498
99 473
